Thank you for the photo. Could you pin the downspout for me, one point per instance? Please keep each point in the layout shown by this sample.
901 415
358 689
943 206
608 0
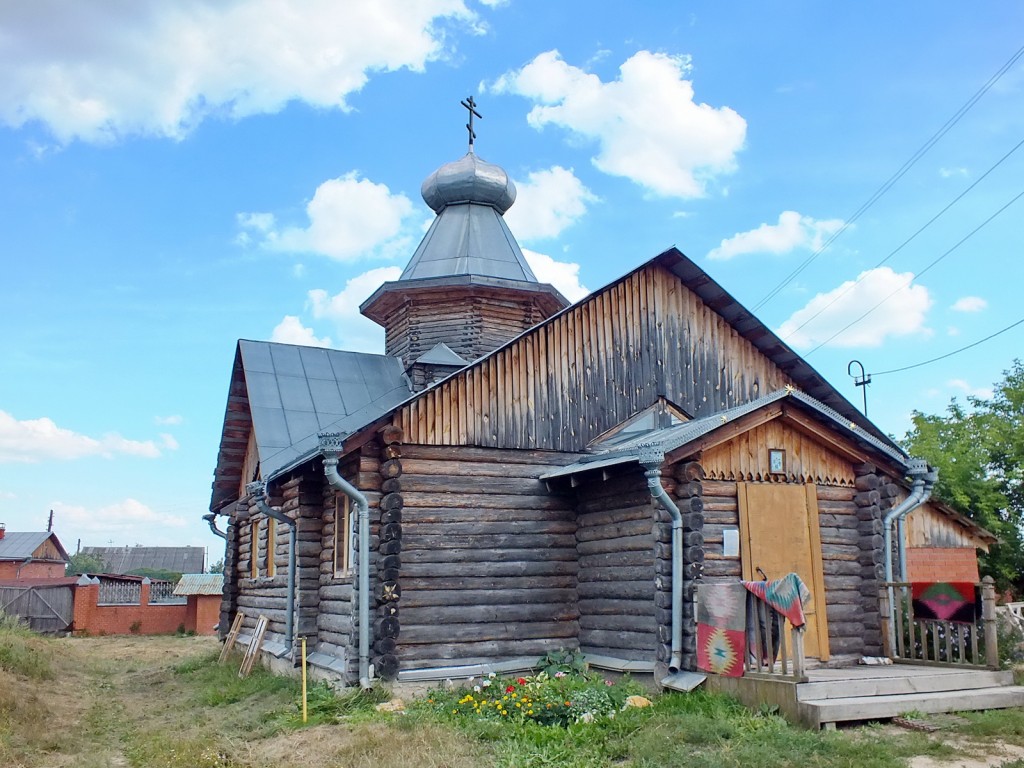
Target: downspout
651 457
919 472
330 448
258 490
930 479
211 520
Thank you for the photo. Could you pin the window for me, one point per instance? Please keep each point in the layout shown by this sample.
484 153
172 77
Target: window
342 536
254 549
271 547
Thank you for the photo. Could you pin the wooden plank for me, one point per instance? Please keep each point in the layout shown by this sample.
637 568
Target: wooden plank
229 642
252 652
816 565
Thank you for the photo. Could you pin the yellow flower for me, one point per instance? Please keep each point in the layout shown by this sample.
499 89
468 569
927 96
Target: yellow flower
519 705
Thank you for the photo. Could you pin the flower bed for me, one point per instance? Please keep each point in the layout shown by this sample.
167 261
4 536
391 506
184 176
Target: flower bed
558 699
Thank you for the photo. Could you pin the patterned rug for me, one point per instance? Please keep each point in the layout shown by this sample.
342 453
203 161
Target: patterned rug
721 633
786 595
954 601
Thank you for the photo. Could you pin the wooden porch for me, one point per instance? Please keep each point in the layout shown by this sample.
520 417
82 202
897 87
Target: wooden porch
939 667
830 696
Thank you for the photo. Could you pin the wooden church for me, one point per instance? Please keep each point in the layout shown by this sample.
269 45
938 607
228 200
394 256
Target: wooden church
500 483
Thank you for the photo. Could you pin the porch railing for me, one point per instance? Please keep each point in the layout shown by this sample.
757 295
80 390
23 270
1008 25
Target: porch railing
768 653
927 641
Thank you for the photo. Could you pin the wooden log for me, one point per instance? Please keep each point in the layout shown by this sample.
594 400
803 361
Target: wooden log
866 482
412 585
419 598
599 606
618 573
342 624
625 590
446 653
435 515
639 527
391 485
391 469
474 567
476 633
834 493
526 541
623 544
415 529
480 501
616 559
639 624
619 639
335 639
489 614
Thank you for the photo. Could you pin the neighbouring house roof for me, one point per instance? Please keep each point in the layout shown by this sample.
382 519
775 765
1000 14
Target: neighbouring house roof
669 439
19 545
60 581
121 560
286 394
200 584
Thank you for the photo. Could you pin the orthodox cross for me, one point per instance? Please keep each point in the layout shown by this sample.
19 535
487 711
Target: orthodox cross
471 106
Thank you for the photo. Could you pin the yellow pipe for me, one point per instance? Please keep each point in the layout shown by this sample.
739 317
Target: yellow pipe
304 680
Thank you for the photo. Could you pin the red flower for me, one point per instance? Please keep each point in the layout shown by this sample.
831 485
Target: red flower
521 680
510 689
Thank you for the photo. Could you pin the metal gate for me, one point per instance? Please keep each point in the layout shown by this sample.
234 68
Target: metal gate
46 609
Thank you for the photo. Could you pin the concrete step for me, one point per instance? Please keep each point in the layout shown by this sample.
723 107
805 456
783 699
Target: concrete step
893 684
822 711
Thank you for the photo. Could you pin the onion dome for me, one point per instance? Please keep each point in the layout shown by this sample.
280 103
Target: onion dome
469 180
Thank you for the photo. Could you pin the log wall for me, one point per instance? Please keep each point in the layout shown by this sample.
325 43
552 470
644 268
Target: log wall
593 366
615 542
488 557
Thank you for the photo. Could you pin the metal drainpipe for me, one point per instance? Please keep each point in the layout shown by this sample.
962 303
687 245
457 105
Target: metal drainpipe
211 520
901 540
258 490
652 458
918 470
330 448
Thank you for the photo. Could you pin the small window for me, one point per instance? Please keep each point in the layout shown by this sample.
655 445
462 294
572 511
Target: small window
254 549
271 547
342 536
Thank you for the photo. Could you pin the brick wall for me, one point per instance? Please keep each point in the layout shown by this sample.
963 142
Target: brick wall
942 564
95 619
203 614
30 570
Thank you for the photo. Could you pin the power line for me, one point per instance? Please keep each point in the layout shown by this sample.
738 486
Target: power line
963 240
954 352
946 127
906 242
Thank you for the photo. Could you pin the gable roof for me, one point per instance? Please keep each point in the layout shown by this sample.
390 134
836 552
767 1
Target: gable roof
121 560
286 394
670 439
19 545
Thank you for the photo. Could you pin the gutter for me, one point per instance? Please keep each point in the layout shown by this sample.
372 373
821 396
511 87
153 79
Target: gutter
652 457
330 447
923 480
211 520
258 490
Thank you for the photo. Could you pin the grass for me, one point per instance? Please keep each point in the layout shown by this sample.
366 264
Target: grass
165 702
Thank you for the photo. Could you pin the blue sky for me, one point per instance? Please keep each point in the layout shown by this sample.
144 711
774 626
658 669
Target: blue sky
174 177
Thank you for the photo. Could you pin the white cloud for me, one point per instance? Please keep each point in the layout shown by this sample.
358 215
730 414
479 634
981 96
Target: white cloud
547 203
949 172
124 517
969 304
102 71
291 331
349 217
565 276
902 316
984 393
34 440
169 441
647 124
168 421
793 231
356 332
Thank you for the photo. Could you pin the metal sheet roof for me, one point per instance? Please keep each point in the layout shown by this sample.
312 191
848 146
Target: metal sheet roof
200 584
287 394
19 545
669 439
469 239
441 354
121 560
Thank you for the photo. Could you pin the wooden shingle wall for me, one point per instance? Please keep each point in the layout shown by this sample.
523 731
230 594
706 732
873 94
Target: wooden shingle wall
566 382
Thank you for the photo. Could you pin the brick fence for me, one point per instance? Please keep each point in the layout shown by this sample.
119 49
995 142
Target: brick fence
942 564
142 618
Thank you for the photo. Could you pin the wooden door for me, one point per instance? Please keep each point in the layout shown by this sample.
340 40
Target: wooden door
779 533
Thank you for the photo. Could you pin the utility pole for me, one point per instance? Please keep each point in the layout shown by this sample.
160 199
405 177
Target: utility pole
860 381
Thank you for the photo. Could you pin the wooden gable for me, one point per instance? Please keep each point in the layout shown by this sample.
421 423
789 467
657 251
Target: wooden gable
572 378
934 524
49 550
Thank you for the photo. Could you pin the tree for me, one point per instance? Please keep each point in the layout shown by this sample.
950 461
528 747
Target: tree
979 452
80 563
